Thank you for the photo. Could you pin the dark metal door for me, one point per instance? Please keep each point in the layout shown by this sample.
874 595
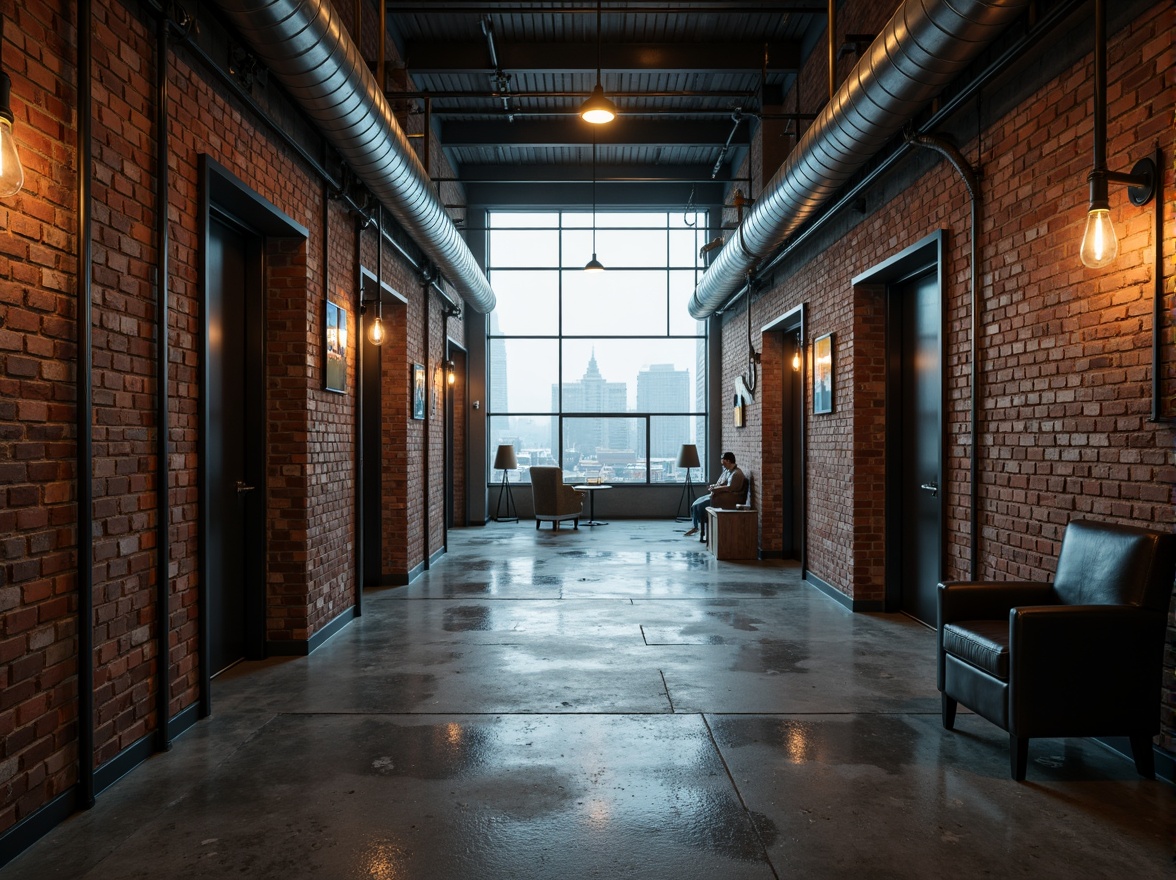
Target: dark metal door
228 488
920 391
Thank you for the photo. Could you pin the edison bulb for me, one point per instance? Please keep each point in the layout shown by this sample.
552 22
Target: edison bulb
1100 245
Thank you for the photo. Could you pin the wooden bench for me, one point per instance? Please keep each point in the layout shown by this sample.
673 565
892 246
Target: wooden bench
732 533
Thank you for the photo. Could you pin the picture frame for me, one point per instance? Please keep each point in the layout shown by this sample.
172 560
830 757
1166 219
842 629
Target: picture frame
418 391
335 348
823 374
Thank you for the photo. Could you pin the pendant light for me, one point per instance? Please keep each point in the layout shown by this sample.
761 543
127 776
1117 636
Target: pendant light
1100 244
598 109
594 265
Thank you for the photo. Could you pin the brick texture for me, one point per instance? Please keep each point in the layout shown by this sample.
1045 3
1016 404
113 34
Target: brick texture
310 433
1064 352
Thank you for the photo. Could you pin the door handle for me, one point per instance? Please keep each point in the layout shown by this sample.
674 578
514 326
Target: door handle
243 487
933 488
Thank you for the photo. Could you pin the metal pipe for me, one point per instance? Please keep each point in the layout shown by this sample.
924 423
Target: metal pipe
706 6
162 397
972 182
1157 412
831 46
1041 27
360 225
736 118
921 49
382 38
426 504
85 410
1100 86
320 67
292 143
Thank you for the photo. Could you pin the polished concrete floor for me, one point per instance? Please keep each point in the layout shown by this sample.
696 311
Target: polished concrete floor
611 703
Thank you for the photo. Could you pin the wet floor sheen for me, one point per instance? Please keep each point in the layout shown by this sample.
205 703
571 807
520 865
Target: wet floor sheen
607 703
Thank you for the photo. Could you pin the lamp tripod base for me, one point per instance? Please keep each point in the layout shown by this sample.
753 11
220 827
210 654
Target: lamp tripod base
687 499
504 490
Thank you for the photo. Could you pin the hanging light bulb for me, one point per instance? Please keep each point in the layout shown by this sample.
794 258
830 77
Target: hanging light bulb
375 332
796 362
450 373
1100 245
598 109
11 172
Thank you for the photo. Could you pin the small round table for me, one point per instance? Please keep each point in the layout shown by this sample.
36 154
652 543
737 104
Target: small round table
591 490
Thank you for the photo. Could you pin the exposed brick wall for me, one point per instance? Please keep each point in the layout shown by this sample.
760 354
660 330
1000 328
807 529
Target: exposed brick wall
38 244
1064 352
310 438
124 468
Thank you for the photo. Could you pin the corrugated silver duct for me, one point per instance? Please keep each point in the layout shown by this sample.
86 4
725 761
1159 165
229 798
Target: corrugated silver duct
307 48
922 48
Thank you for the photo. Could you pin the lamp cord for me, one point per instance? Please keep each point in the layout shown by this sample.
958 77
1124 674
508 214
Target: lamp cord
598 4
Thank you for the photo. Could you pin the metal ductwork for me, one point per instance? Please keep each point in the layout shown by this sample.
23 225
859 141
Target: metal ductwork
923 47
307 48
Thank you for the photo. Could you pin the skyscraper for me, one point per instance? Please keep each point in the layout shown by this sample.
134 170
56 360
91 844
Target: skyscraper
664 389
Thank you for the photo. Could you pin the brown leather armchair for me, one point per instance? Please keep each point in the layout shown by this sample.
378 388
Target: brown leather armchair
1082 656
555 501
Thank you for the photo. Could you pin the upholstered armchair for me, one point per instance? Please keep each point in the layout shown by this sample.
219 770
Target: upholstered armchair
1082 656
555 501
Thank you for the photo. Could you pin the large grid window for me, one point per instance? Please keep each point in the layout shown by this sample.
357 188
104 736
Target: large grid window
603 373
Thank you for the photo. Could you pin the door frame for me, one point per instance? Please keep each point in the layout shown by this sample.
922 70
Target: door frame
227 199
452 347
925 254
795 495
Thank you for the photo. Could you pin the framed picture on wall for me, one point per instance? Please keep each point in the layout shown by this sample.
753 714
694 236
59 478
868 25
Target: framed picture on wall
335 345
418 391
823 374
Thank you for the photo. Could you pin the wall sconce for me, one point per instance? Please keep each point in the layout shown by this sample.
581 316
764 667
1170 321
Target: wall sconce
450 373
375 330
1100 244
11 172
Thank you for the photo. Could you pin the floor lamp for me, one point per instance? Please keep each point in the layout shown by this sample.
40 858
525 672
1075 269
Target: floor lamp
687 458
504 460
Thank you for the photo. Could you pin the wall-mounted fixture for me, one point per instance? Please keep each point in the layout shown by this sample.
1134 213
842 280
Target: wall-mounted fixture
11 172
450 373
598 109
1100 244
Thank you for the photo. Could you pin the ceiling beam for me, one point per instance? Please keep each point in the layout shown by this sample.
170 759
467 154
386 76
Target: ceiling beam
473 57
548 173
573 132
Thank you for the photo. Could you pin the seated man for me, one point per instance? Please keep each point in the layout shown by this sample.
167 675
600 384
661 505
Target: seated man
730 482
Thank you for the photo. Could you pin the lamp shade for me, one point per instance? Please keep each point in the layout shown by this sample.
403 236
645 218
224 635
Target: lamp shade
504 458
688 456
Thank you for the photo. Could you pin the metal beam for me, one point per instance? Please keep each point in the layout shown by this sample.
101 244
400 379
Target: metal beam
573 132
472 173
429 57
665 194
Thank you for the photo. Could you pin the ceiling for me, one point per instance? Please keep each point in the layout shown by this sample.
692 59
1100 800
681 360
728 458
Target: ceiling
501 82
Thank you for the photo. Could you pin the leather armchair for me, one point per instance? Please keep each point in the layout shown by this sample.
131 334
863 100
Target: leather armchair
555 501
1082 656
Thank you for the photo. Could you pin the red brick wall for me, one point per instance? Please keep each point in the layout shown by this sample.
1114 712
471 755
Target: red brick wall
1064 351
38 246
310 441
124 469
